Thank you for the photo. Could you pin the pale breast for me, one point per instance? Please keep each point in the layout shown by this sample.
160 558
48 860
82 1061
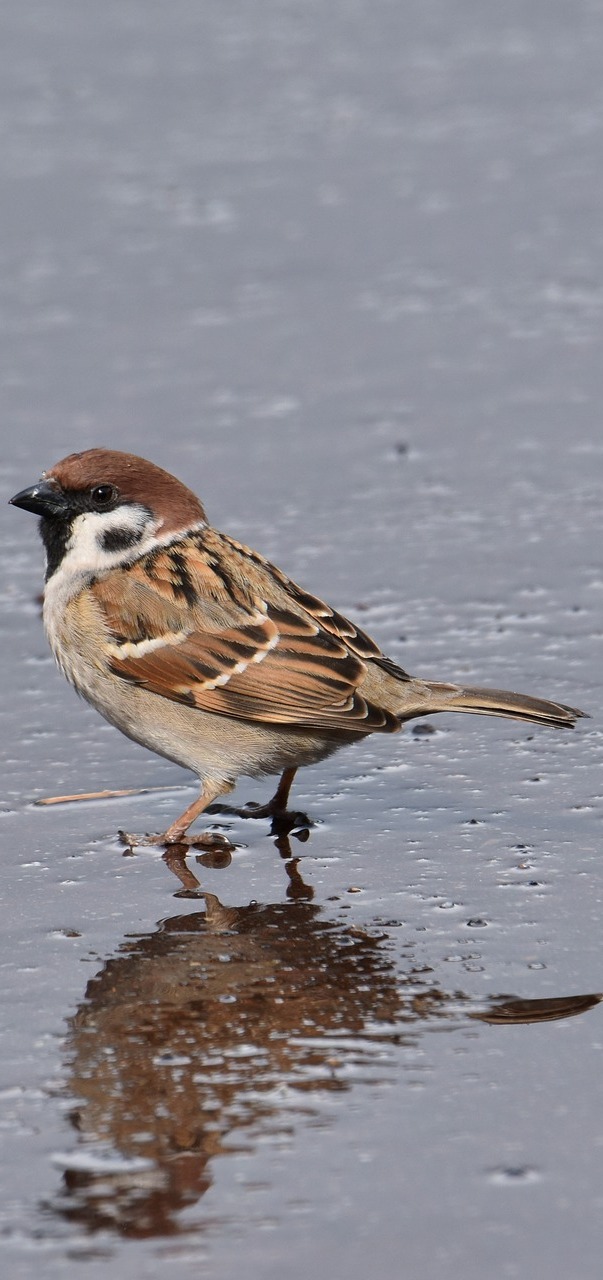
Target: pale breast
75 631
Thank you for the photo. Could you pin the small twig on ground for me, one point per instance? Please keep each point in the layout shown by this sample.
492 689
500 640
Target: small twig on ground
105 795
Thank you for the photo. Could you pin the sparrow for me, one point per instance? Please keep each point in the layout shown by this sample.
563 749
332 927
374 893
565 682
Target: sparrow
202 650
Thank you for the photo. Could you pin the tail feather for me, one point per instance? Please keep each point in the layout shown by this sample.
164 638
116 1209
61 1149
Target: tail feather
494 702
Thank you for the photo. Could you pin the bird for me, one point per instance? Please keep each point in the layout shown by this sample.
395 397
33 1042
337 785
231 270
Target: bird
199 648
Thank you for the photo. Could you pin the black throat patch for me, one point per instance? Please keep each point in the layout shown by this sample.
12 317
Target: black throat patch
55 534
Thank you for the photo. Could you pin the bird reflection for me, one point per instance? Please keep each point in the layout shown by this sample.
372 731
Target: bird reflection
220 857
223 1028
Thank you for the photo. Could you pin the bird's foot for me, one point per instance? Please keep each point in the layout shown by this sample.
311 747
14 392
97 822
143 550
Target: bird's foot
283 821
212 840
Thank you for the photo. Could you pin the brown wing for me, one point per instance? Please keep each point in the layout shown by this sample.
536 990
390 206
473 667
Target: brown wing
186 631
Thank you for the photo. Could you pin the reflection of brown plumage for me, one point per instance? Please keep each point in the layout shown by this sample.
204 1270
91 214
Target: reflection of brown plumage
185 1038
226 1026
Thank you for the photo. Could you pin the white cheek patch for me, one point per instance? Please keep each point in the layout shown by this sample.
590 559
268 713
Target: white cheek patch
103 540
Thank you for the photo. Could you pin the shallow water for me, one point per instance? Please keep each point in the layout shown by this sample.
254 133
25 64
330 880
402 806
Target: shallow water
340 268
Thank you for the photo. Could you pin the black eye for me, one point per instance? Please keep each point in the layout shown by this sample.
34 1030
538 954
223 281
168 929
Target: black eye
102 495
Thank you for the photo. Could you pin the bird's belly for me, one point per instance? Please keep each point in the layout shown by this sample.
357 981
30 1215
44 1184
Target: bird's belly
213 746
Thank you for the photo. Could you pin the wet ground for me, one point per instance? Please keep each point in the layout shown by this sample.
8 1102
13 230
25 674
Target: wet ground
339 266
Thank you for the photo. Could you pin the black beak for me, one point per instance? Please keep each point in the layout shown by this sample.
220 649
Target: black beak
43 498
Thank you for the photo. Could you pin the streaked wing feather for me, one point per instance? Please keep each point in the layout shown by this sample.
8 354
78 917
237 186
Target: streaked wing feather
234 653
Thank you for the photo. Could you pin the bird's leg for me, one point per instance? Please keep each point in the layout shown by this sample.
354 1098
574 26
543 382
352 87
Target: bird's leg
284 820
209 791
279 801
175 858
176 833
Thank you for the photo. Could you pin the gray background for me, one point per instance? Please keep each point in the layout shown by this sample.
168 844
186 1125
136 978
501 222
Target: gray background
339 266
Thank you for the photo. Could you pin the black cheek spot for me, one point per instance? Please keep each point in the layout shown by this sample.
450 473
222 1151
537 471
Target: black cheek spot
119 539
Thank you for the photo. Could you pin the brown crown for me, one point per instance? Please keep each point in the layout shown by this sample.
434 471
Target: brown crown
137 480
